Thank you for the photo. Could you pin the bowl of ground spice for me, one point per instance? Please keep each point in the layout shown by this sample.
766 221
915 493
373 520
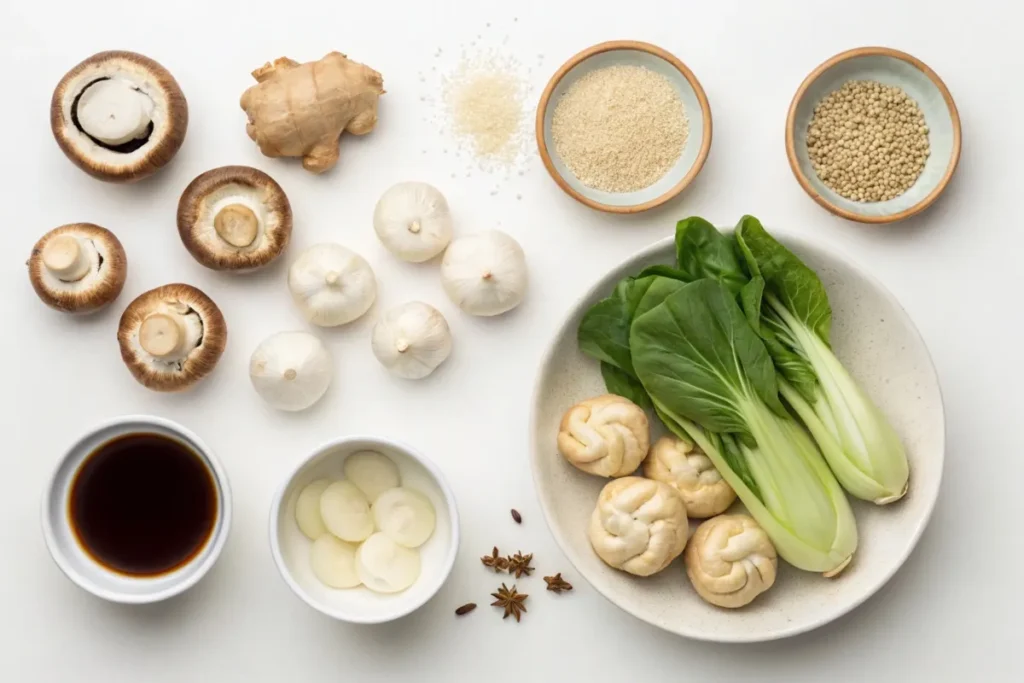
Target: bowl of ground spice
873 135
623 126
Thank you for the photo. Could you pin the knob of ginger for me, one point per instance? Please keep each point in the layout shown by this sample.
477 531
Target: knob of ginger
301 110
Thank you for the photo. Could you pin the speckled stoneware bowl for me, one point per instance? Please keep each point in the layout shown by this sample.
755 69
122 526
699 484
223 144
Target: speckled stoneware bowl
877 341
695 102
890 67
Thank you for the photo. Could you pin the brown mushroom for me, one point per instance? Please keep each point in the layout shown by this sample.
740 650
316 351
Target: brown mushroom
119 116
171 337
78 268
234 218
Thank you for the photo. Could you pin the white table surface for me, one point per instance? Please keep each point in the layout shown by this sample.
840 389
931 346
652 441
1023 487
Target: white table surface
953 611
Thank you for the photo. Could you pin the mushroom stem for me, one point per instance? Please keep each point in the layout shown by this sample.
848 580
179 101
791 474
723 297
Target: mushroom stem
332 277
113 111
65 258
290 374
414 227
237 225
162 335
401 346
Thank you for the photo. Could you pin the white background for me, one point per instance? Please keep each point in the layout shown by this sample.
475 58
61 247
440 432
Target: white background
952 612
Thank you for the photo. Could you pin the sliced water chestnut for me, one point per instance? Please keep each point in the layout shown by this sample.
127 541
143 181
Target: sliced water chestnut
386 567
372 473
334 562
346 512
406 516
307 509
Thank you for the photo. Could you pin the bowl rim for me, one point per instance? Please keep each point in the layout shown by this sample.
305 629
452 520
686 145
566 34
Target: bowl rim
333 444
610 46
788 239
801 92
202 562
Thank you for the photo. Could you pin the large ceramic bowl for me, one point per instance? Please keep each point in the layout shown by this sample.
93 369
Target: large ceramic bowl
878 343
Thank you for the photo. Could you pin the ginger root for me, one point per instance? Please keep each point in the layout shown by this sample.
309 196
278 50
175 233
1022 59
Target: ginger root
301 110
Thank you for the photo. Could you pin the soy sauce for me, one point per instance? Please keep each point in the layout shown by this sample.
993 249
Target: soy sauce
143 504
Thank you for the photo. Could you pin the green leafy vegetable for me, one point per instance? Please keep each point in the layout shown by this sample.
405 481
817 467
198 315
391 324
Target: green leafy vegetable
703 252
620 382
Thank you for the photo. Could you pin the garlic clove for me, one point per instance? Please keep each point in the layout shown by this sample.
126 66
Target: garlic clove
334 562
411 340
405 515
307 509
372 473
413 221
386 567
346 512
485 273
291 370
332 285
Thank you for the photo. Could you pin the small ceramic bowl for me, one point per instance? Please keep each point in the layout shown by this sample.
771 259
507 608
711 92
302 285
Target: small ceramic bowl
890 67
291 548
89 574
698 112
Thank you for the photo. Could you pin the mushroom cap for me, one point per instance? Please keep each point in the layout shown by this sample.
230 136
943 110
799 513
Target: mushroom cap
262 218
130 161
211 331
108 268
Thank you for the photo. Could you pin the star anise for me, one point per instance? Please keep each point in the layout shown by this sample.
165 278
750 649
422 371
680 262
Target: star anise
519 564
495 561
509 600
557 584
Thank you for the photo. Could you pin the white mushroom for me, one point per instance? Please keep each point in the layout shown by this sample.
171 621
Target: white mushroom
411 340
119 116
413 221
234 218
639 525
78 268
607 435
291 370
386 567
332 285
685 467
730 560
485 273
171 337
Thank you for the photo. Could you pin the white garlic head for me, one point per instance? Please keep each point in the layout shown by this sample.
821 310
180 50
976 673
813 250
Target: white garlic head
484 273
332 285
291 370
413 221
411 340
684 466
730 560
639 525
607 435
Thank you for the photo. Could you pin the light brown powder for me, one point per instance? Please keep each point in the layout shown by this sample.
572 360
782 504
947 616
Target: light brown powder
620 128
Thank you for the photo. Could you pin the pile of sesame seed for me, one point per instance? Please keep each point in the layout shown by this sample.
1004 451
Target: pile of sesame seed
620 128
867 141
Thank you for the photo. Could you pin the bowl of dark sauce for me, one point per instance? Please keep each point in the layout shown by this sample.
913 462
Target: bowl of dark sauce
137 510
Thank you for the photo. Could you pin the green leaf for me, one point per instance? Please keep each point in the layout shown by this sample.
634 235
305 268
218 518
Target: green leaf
619 382
696 352
703 252
665 271
661 288
604 332
786 277
750 301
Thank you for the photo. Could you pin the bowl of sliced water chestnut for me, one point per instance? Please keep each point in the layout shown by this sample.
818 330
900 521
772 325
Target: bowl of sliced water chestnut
364 530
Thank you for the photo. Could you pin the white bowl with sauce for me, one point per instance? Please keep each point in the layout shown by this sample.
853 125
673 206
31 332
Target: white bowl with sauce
291 548
85 570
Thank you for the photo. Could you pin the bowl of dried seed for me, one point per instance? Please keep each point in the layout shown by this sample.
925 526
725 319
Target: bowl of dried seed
623 126
873 135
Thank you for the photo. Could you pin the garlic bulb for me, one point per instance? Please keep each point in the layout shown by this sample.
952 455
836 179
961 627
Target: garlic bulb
730 560
412 339
484 273
413 221
332 285
291 370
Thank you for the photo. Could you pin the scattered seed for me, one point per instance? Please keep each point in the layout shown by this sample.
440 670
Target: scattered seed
515 513
465 609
